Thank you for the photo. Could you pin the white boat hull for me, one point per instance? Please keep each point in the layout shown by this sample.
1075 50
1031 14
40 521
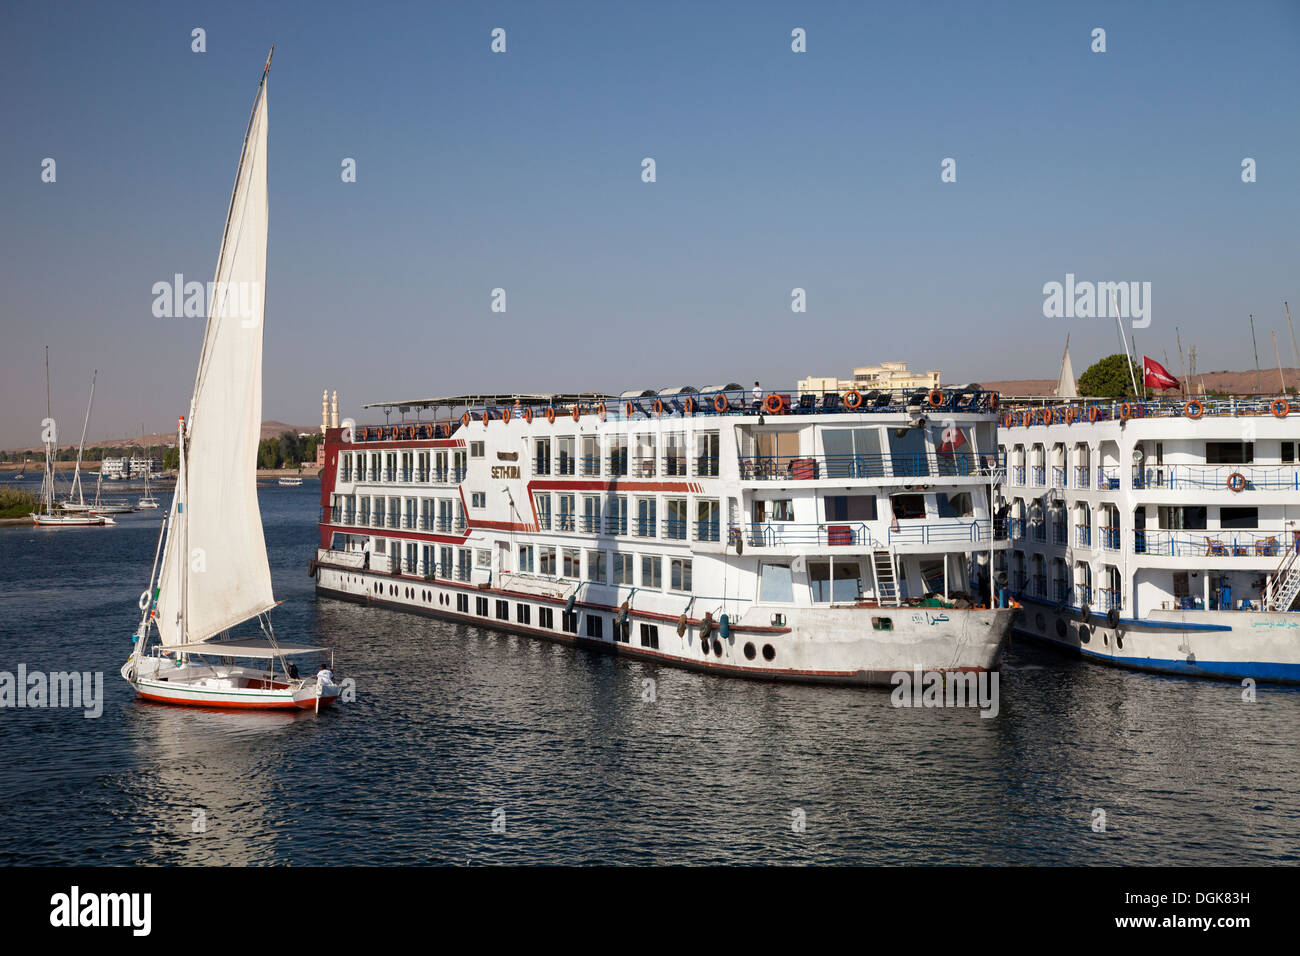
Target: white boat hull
226 687
1230 645
840 644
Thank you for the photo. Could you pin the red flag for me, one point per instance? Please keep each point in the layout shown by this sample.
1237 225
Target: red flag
1155 375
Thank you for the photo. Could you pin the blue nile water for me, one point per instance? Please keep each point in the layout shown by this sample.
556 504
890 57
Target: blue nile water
453 723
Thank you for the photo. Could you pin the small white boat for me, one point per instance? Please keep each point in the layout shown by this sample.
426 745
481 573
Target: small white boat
289 482
50 513
147 503
192 606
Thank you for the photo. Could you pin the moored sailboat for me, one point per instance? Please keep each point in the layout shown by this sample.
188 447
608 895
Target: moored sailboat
211 573
48 514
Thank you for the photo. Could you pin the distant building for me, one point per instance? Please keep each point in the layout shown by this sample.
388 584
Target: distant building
122 468
886 375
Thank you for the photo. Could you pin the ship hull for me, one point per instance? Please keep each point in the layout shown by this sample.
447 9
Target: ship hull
833 645
1219 645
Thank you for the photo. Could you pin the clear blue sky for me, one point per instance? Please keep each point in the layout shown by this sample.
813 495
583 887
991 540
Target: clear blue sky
775 170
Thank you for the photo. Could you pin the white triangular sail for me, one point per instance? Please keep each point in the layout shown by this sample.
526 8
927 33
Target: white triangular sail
214 573
1067 387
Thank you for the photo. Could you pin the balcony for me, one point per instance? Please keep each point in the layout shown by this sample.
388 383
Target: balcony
1217 477
1018 475
1040 476
1082 476
1108 599
706 466
591 466
1082 595
944 532
778 534
644 466
1109 537
645 527
707 531
675 529
855 467
1083 536
590 524
674 466
1107 479
616 526
1270 544
1058 476
565 522
1059 535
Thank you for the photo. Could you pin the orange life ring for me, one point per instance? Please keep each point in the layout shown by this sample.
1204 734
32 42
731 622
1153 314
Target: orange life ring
550 414
464 419
1194 409
1069 416
600 410
852 398
1236 482
577 412
936 398
659 406
994 401
428 431
1280 408
720 403
1126 411
628 409
487 416
1093 413
772 403
689 405
505 414
1048 416
528 416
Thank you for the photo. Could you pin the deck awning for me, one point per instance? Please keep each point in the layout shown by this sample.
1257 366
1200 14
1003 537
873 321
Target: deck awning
247 648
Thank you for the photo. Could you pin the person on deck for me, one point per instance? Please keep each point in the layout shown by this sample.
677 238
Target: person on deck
758 395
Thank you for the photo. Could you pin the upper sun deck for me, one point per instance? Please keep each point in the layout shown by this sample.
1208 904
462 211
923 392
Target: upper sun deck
678 402
1030 414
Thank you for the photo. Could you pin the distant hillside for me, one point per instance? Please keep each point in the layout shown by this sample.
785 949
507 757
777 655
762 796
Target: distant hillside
1234 383
269 430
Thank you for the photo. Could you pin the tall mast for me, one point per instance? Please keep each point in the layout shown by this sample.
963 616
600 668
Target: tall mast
76 475
49 466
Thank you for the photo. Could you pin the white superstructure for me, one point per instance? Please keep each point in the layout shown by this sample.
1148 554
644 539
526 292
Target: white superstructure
1160 535
794 541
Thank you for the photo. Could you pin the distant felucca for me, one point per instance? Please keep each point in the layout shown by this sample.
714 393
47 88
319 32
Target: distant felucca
47 513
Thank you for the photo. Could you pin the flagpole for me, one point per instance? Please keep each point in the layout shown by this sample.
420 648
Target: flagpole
1124 342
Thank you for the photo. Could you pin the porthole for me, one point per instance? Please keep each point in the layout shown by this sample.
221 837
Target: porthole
1105 639
750 653
769 652
1119 640
1085 635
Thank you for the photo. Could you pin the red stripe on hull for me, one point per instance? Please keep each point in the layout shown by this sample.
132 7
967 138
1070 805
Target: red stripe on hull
309 704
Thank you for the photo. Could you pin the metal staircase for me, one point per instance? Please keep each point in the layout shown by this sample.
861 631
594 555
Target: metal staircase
1285 583
882 565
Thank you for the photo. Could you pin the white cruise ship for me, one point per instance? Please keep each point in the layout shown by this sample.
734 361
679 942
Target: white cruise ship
812 537
1160 535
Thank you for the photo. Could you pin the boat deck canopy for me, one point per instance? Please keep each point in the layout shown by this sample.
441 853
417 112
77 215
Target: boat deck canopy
247 648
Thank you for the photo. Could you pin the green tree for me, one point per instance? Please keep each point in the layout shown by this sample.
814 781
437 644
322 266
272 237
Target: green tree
171 458
1109 378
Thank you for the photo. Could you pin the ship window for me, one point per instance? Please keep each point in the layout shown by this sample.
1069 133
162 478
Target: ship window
680 574
546 560
650 636
478 499
522 613
572 563
542 456
1238 517
908 506
852 453
595 625
882 623
483 558
819 577
1288 452
564 455
526 558
776 584
850 507
596 567
481 606
907 453
1229 452
546 618
955 506
652 573
569 622
476 449
503 610
462 603
622 569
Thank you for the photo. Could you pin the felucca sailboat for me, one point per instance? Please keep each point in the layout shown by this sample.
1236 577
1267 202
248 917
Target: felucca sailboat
213 575
48 513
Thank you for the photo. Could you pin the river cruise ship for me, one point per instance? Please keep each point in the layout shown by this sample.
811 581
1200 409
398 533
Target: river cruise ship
836 538
1160 535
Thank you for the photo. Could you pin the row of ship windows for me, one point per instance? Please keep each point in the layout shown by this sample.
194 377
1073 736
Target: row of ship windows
593 626
595 567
